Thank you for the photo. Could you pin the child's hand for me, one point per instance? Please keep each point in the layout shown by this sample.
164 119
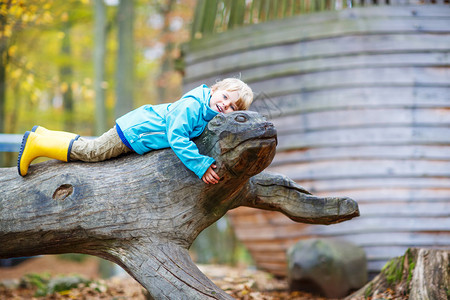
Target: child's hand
210 176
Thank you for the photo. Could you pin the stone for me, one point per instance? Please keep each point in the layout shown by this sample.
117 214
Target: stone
327 267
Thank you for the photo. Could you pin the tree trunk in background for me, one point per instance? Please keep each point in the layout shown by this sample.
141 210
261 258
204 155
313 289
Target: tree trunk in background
10 158
217 244
3 59
125 63
2 89
3 62
99 67
65 73
166 61
418 275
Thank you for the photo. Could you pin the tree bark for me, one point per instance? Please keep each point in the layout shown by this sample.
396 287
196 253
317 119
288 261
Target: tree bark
144 212
421 274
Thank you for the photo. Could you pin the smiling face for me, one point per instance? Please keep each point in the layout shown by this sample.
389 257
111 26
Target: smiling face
224 101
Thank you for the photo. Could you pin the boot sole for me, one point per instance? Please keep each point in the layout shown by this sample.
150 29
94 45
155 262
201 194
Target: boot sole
22 148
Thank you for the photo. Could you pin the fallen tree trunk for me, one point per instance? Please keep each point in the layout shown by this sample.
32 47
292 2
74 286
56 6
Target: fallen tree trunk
144 212
420 274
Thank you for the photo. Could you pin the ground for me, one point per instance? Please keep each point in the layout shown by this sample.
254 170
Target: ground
240 282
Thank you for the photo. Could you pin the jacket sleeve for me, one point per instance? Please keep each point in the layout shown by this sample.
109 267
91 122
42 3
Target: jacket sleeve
180 122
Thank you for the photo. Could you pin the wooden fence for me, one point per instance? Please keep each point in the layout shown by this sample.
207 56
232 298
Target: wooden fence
361 101
213 16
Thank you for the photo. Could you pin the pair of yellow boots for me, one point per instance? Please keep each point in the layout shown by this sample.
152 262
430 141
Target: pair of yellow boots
41 142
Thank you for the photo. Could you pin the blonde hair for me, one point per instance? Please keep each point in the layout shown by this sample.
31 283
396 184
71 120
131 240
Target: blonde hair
234 84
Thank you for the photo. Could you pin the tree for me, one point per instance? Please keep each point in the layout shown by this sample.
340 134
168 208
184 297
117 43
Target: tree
3 60
144 212
66 74
40 51
14 16
125 58
99 66
418 274
166 60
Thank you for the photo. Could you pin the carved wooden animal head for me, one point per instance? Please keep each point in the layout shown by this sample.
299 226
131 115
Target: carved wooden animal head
242 142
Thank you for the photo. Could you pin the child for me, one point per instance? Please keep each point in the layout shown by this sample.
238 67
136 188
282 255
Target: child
147 128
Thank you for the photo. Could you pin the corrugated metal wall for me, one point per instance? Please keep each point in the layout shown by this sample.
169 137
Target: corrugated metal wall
361 102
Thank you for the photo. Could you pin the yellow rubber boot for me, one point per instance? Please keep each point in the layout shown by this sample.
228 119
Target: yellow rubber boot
36 145
57 134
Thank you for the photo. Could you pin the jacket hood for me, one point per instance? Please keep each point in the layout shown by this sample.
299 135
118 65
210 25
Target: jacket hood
208 113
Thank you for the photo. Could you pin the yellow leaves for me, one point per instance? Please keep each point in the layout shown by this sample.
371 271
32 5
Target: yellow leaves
30 79
27 17
20 13
89 94
64 293
29 65
80 90
60 35
16 74
65 17
64 87
12 50
35 95
7 31
46 18
14 10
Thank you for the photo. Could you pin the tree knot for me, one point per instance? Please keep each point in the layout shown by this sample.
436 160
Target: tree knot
62 192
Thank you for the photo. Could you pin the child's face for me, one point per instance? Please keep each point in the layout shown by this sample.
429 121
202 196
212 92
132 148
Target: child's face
224 101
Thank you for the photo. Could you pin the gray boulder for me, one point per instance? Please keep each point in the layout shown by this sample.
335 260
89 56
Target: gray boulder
330 268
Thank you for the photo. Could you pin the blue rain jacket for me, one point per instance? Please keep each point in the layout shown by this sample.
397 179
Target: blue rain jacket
152 127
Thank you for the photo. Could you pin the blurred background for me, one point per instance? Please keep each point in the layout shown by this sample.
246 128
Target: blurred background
78 65
359 92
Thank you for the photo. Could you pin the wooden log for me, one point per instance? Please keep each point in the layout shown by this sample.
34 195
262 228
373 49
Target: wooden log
287 32
363 225
364 97
290 82
336 169
270 63
365 137
144 212
413 152
388 76
362 118
349 31
347 185
370 168
400 194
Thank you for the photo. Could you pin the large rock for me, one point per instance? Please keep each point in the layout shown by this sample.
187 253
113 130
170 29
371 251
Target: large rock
330 268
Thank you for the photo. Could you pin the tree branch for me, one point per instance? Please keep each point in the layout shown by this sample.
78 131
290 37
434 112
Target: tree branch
277 192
